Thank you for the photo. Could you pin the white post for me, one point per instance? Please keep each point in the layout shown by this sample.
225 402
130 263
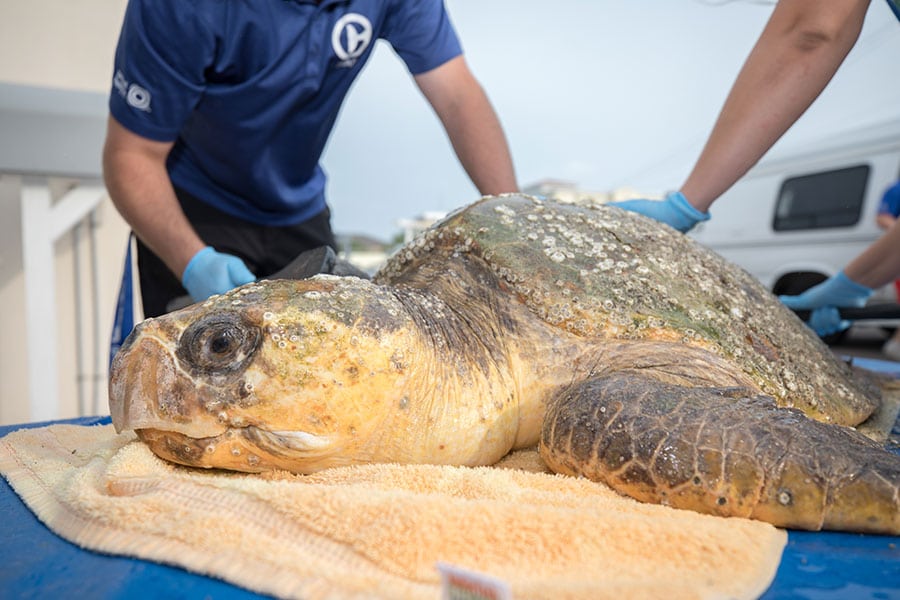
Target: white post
43 222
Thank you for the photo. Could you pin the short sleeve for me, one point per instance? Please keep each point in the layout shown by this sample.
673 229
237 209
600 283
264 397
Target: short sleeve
422 35
158 77
890 202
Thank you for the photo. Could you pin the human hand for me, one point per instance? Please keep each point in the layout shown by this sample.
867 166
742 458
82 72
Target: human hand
674 210
210 272
825 298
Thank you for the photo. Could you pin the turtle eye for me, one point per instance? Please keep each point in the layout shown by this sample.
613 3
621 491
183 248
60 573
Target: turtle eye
220 343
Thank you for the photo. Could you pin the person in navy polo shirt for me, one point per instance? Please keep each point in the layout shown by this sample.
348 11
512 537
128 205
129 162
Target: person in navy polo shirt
219 113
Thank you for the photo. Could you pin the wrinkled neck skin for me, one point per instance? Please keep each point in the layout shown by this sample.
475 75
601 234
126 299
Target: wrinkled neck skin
477 395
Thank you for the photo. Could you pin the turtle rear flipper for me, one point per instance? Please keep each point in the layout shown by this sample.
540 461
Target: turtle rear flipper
721 451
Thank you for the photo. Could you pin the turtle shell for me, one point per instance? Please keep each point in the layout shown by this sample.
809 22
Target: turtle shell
601 273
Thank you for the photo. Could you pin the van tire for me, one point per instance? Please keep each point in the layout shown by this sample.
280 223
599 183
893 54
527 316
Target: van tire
792 284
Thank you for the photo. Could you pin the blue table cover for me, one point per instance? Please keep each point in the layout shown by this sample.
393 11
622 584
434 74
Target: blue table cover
35 563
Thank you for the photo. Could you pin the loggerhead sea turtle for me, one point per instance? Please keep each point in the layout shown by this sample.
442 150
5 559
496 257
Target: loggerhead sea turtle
635 356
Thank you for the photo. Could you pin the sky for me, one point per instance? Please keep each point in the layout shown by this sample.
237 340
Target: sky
600 93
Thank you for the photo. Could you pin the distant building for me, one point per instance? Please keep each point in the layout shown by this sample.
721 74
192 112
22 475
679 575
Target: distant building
567 191
416 225
369 254
364 252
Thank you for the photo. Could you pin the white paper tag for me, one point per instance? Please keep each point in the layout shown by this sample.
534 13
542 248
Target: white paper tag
461 584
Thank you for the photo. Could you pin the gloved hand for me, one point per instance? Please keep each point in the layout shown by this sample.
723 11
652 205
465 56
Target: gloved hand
674 210
210 272
824 298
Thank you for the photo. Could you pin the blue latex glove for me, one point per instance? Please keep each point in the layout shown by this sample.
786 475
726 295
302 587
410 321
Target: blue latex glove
210 272
674 211
824 298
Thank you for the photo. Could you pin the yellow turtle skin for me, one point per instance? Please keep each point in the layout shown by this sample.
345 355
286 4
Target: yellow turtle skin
633 355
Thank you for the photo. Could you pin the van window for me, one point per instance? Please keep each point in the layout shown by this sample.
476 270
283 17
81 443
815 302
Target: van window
828 199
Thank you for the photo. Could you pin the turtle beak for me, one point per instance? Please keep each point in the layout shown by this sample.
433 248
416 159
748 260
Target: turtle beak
147 390
122 372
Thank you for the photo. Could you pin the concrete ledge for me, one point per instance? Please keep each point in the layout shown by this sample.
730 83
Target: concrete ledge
47 131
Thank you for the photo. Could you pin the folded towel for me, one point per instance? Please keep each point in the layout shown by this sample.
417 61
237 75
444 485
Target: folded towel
379 530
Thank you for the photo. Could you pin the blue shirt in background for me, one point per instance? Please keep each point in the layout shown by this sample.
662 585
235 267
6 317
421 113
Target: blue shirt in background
890 202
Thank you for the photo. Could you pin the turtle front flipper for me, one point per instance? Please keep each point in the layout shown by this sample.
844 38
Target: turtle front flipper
721 451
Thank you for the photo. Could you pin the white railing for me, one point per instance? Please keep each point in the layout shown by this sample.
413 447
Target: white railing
43 223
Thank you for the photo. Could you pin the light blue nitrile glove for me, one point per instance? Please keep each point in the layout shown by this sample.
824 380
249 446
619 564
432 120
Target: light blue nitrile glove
674 210
210 272
823 300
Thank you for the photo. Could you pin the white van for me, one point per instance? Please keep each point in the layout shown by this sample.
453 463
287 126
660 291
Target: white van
800 217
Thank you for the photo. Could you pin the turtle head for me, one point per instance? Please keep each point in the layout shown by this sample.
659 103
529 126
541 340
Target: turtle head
291 374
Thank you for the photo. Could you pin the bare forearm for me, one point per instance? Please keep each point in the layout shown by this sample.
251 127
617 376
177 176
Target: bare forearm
802 46
472 126
481 146
879 264
150 207
140 188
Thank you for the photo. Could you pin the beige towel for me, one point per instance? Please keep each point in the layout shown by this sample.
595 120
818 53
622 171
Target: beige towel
378 531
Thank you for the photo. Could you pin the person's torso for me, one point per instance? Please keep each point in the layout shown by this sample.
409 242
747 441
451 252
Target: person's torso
252 89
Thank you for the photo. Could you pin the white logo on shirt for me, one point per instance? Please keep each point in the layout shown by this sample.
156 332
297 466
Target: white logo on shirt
350 37
134 95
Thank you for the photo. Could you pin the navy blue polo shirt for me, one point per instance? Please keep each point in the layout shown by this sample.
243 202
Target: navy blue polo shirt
249 89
